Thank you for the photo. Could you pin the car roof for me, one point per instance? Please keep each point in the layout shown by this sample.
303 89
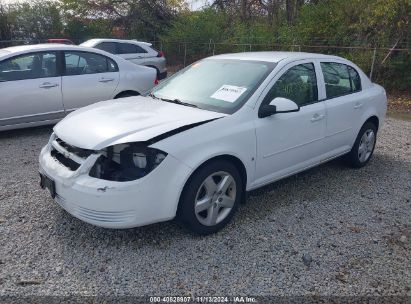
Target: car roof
39 47
44 47
98 40
273 56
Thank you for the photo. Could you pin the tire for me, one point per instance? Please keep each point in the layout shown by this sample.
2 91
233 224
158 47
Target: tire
126 94
363 148
203 207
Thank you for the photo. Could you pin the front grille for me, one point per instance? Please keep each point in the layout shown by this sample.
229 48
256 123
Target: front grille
83 153
68 155
66 162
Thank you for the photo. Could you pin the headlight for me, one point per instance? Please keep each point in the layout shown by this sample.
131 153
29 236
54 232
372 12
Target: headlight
126 162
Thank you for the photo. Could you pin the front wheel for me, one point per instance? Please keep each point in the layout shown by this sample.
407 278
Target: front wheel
364 145
210 197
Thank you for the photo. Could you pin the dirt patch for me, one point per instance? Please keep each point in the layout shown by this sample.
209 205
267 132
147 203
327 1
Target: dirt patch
399 103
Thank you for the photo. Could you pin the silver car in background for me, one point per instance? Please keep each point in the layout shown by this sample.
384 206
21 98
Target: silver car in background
137 52
40 84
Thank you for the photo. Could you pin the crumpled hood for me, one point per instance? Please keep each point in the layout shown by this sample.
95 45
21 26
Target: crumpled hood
132 119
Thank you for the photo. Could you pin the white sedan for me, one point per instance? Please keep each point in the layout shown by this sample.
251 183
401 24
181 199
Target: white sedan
137 52
40 84
202 138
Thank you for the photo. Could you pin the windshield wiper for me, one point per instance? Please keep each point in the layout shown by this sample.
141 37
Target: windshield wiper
178 101
153 96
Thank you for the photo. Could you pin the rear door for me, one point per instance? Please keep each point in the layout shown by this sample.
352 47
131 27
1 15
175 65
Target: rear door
30 87
133 53
88 78
344 104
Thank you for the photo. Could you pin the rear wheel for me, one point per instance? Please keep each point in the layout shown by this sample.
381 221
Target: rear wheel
364 145
210 197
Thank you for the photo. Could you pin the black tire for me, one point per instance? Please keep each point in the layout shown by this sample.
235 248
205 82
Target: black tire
126 94
186 214
355 158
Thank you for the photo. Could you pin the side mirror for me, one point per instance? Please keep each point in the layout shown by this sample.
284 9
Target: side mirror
278 105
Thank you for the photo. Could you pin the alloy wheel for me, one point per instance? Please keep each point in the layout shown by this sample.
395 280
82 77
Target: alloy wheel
366 145
215 198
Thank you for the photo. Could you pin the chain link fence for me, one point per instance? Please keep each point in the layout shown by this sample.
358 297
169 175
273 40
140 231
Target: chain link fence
390 66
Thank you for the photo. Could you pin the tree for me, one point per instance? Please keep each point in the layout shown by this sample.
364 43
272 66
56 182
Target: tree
5 30
143 18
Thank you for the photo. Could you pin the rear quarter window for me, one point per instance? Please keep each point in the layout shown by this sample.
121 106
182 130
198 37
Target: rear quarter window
355 79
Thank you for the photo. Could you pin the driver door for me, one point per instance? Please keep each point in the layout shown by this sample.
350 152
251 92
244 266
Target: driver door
290 142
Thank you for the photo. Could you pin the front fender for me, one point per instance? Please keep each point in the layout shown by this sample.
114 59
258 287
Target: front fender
225 136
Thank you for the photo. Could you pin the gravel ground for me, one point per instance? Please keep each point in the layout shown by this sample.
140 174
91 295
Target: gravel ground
329 231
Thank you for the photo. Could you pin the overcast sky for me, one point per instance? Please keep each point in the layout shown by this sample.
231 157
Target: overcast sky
197 4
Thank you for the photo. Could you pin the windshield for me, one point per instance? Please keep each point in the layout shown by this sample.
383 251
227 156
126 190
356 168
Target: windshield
220 85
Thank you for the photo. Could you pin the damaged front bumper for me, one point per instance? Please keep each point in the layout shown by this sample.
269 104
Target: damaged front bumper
111 204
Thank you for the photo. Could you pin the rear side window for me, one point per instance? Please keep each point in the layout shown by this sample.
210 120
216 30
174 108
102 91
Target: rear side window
355 79
81 63
108 47
128 48
340 79
29 66
298 84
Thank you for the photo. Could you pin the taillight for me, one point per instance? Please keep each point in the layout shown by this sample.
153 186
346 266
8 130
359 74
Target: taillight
156 81
160 54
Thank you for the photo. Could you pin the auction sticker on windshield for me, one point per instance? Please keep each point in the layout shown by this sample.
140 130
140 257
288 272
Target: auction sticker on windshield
228 93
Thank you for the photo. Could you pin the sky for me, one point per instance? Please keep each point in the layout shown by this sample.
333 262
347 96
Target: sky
197 4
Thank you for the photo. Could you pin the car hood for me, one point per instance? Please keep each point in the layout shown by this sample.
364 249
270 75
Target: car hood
133 119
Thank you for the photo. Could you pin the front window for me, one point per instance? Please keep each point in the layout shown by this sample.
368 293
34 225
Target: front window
29 66
221 85
298 84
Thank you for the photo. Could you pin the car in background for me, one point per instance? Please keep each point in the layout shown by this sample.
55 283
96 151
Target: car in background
202 138
40 84
60 40
137 52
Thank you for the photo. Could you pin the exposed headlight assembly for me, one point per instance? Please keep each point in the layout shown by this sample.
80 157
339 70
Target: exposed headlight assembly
126 162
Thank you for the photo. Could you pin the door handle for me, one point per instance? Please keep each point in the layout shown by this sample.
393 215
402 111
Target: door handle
317 117
358 105
47 85
106 79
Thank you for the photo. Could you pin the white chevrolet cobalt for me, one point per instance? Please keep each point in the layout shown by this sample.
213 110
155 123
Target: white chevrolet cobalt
202 138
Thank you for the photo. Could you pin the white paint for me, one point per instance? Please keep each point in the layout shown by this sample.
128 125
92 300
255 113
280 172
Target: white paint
270 148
